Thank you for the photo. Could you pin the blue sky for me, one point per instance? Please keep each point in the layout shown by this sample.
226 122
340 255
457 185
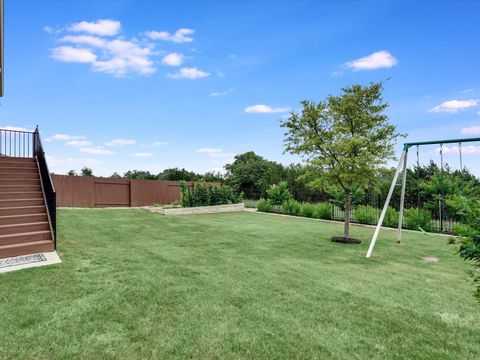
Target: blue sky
118 85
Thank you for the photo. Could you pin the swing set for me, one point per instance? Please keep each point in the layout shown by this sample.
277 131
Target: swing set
402 168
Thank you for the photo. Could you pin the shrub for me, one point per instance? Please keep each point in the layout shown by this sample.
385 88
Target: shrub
391 217
186 196
323 211
307 210
264 205
203 195
415 218
291 207
278 194
215 195
366 214
200 195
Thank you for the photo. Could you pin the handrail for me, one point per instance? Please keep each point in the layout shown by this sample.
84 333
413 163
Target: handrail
16 143
47 183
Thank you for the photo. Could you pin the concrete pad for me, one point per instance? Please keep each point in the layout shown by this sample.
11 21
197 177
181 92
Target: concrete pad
28 261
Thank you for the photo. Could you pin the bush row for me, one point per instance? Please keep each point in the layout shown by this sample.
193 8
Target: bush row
413 218
363 214
203 195
293 207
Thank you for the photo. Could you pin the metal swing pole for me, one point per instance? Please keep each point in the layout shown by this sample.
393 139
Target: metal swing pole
387 201
442 189
402 197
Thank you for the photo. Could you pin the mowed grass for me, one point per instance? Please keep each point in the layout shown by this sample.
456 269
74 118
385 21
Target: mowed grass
136 285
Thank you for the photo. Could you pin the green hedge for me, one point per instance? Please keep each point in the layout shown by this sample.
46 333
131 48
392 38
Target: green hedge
413 218
264 205
204 195
365 214
291 207
323 211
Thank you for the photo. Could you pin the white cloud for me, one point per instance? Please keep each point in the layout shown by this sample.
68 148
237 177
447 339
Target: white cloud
142 154
453 106
118 57
209 151
472 130
180 36
216 153
52 30
120 142
189 73
377 60
466 91
15 128
55 164
102 27
78 143
85 39
337 73
72 54
173 59
64 137
470 149
156 144
96 150
221 93
265 109
123 56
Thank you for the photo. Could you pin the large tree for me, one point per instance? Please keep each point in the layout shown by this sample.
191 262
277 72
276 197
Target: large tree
252 174
343 139
176 174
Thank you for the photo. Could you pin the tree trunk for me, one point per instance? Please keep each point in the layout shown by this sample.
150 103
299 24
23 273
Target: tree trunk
346 226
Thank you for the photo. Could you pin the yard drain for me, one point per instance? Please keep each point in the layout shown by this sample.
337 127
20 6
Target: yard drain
22 260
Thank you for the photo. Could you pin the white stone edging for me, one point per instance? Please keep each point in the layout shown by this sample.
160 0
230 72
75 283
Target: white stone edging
199 209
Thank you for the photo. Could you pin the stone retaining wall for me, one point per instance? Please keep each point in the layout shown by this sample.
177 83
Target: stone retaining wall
200 209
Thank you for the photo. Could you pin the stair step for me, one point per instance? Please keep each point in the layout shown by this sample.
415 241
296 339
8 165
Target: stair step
20 175
18 165
17 187
18 169
23 219
21 195
26 248
22 181
11 229
23 210
19 238
16 159
21 202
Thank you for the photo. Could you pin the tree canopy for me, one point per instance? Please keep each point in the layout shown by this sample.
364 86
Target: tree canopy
344 139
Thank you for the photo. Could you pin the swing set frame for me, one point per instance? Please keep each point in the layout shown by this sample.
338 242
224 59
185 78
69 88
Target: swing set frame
402 168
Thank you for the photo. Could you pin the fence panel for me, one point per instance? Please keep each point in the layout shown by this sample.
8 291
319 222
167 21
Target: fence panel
90 191
111 193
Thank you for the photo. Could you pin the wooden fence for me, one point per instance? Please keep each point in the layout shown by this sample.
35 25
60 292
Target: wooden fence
90 191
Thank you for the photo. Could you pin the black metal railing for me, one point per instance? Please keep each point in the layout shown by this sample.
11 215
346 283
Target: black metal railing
435 224
16 143
47 183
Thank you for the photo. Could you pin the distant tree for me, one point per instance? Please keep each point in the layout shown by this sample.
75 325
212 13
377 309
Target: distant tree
72 173
139 174
344 139
252 174
212 176
116 175
86 171
176 174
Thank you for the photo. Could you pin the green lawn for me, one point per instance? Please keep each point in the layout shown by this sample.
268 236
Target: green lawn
135 285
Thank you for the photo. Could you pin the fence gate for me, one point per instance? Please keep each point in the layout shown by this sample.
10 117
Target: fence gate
111 193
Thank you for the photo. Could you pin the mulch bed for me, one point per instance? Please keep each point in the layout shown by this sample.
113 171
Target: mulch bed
344 240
